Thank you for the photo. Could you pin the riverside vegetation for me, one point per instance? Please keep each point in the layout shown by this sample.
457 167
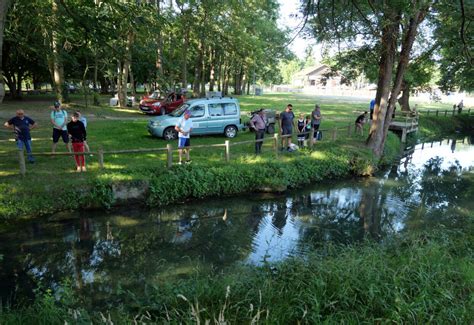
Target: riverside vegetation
413 277
51 185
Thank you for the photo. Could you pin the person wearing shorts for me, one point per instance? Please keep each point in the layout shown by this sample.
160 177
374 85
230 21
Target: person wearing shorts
286 126
184 127
59 121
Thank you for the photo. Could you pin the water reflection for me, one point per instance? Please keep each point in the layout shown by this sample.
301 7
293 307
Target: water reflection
129 249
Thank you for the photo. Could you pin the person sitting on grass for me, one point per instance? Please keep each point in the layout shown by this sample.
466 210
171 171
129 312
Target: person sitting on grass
78 134
184 128
359 123
21 126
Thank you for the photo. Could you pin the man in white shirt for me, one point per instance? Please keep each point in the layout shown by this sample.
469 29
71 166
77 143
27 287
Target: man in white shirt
184 127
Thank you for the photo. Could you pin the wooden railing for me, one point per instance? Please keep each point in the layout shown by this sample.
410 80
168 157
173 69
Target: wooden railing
446 112
331 135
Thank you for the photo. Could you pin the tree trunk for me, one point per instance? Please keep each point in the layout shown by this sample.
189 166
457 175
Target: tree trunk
197 72
225 81
96 70
11 82
4 5
184 64
202 92
19 81
407 45
54 59
375 139
132 83
123 71
212 79
159 50
404 100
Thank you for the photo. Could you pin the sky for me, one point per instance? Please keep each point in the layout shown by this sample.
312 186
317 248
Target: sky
292 18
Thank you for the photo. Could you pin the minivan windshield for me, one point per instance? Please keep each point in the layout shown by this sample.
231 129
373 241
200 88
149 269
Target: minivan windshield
180 110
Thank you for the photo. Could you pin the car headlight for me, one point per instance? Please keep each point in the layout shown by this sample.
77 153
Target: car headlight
156 104
155 123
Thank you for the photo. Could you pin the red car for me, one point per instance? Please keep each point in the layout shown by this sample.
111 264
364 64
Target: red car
155 105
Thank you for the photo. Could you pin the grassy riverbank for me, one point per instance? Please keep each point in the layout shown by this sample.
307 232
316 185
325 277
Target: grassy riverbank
411 278
52 185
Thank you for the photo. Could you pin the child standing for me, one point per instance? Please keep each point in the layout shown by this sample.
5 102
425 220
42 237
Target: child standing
77 131
83 119
301 125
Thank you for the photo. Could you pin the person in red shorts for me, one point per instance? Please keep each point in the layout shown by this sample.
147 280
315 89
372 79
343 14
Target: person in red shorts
78 135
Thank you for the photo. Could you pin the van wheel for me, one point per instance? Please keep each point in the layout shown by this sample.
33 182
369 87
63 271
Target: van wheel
271 129
170 134
230 131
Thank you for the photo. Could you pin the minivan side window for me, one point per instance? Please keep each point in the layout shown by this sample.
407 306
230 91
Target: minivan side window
230 109
197 111
215 110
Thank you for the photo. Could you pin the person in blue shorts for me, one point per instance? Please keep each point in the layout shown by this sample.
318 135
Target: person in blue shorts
21 125
286 126
59 121
184 128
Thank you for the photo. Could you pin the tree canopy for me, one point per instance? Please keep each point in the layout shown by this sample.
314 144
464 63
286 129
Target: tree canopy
163 44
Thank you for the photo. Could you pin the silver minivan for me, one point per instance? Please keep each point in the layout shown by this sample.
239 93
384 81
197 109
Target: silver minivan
209 116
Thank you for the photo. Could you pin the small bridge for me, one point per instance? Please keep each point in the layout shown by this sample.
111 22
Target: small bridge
406 124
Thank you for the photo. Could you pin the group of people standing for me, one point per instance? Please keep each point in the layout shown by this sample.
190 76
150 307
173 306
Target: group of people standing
304 126
73 131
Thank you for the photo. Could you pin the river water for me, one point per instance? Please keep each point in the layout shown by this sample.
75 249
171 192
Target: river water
101 254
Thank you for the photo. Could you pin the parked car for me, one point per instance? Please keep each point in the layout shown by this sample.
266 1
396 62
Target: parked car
155 105
209 116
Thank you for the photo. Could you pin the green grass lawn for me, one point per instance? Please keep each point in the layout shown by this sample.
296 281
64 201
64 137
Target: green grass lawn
114 128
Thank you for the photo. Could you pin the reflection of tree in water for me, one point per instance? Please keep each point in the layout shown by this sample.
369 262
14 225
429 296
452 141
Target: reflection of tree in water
440 192
280 215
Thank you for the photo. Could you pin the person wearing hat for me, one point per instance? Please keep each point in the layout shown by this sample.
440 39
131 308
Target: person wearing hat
59 121
184 128
21 125
257 122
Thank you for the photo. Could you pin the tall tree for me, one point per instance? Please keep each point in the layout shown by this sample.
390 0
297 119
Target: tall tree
4 4
389 28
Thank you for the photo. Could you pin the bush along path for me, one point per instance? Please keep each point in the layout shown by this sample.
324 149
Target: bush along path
158 186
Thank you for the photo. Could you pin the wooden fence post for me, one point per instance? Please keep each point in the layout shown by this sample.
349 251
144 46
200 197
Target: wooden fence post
21 159
446 113
334 134
437 111
349 129
169 156
275 144
428 113
227 151
101 158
